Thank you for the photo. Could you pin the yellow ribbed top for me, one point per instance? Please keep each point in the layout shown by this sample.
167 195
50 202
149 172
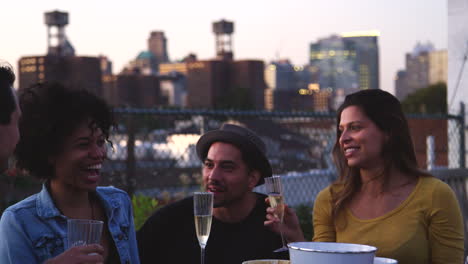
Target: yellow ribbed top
426 228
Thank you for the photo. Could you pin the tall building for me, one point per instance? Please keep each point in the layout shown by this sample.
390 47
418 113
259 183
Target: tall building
334 60
349 61
60 64
206 83
248 75
147 62
424 66
220 82
280 75
157 45
74 72
134 90
401 82
438 66
224 83
290 87
367 57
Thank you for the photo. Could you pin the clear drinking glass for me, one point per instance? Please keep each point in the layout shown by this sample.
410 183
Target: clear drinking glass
203 213
83 232
274 189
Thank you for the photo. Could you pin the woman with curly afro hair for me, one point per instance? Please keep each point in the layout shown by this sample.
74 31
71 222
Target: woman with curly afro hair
64 133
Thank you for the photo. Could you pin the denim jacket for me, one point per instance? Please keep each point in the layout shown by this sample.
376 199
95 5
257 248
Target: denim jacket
34 230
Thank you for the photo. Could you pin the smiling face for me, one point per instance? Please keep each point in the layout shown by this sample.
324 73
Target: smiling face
226 175
361 141
77 166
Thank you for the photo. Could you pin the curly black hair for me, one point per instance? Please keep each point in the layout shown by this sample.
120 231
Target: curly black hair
51 113
7 99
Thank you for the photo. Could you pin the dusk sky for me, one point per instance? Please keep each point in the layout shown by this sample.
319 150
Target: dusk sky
263 29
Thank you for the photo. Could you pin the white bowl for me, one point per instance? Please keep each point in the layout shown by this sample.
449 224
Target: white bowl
385 261
266 261
330 253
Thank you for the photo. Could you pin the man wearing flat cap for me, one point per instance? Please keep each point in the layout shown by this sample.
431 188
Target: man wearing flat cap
234 162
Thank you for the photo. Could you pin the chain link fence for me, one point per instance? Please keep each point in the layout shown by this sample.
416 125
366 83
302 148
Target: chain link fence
163 160
154 151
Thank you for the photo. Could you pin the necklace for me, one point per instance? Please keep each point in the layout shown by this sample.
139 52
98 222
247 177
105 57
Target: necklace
90 200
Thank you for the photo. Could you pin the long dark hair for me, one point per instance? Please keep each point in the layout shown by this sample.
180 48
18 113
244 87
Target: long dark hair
385 111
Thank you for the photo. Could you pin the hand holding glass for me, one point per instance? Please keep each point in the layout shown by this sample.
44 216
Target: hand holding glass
274 189
203 213
83 232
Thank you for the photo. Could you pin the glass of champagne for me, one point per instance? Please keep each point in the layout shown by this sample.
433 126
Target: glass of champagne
203 213
274 189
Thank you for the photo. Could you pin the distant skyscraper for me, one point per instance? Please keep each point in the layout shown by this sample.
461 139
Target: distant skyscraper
217 83
157 44
367 57
133 90
72 71
438 66
106 65
335 62
347 62
280 75
424 66
206 83
289 87
248 75
401 80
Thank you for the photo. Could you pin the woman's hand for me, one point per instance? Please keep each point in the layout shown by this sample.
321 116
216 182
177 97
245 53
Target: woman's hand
89 254
290 227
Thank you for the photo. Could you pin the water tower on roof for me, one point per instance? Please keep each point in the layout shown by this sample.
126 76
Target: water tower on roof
223 31
57 43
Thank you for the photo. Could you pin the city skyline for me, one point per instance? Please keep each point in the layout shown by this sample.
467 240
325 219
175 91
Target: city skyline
264 30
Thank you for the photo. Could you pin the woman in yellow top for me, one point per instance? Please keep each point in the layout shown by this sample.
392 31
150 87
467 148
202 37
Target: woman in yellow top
381 197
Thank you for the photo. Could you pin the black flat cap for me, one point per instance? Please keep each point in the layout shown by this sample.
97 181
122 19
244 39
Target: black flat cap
250 145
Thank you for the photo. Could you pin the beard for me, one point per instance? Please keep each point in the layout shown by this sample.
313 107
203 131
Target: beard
228 199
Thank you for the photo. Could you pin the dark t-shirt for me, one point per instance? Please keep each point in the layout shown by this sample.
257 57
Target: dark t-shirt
168 236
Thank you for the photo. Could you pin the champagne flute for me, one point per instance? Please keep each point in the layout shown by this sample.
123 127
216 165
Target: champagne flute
274 190
203 213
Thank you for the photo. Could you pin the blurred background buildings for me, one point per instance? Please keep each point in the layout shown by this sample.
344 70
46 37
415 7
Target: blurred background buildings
338 65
